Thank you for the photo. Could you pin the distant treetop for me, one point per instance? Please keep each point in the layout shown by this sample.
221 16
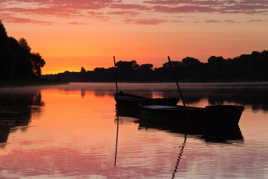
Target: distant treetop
3 33
17 62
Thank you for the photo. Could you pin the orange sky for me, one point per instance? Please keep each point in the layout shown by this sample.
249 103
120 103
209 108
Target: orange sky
70 34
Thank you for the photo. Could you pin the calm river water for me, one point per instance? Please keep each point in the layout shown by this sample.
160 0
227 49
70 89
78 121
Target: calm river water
69 131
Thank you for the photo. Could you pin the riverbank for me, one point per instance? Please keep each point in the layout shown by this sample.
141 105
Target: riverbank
21 83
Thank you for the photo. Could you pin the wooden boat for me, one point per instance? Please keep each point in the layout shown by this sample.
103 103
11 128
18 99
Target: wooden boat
210 116
126 99
197 124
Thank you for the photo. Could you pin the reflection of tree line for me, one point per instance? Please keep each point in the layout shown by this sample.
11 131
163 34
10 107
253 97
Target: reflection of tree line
256 98
16 111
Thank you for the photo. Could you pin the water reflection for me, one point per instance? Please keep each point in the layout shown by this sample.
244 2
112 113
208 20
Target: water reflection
232 135
179 158
125 120
221 135
83 92
75 135
116 140
255 97
16 110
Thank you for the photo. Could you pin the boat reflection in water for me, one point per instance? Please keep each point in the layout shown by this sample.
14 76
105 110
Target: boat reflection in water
16 110
184 125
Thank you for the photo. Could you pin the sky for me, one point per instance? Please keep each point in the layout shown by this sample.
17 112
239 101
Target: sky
70 34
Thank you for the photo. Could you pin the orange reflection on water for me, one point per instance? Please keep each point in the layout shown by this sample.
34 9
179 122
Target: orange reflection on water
67 115
74 136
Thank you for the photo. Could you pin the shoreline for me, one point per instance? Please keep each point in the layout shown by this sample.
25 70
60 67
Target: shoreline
241 84
23 83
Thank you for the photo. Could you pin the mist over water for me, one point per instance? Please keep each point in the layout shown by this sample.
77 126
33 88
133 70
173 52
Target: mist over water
69 131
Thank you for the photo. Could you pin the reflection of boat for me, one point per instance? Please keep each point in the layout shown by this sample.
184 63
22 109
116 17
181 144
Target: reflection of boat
126 99
210 116
208 134
125 110
181 125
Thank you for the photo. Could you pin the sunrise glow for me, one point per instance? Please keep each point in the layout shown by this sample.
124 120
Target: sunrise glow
71 34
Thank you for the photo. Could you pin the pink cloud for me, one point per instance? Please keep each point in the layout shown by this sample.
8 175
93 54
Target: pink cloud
230 21
131 13
77 23
256 20
225 6
130 6
213 21
183 9
183 2
152 21
146 10
12 19
59 8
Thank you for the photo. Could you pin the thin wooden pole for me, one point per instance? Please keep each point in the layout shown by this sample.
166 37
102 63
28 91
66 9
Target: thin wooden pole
117 117
116 74
177 83
187 118
116 141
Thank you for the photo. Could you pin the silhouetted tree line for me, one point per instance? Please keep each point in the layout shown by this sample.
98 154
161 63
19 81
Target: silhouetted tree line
247 67
17 62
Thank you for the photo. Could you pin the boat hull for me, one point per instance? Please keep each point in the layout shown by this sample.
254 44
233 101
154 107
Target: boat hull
212 123
129 100
209 117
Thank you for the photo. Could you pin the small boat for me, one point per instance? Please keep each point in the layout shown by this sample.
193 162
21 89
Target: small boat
126 99
195 124
133 101
209 116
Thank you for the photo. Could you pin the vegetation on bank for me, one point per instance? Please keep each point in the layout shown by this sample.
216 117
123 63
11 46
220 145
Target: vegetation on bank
17 63
20 66
247 67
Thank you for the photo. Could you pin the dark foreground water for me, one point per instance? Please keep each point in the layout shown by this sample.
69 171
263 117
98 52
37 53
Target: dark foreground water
69 131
